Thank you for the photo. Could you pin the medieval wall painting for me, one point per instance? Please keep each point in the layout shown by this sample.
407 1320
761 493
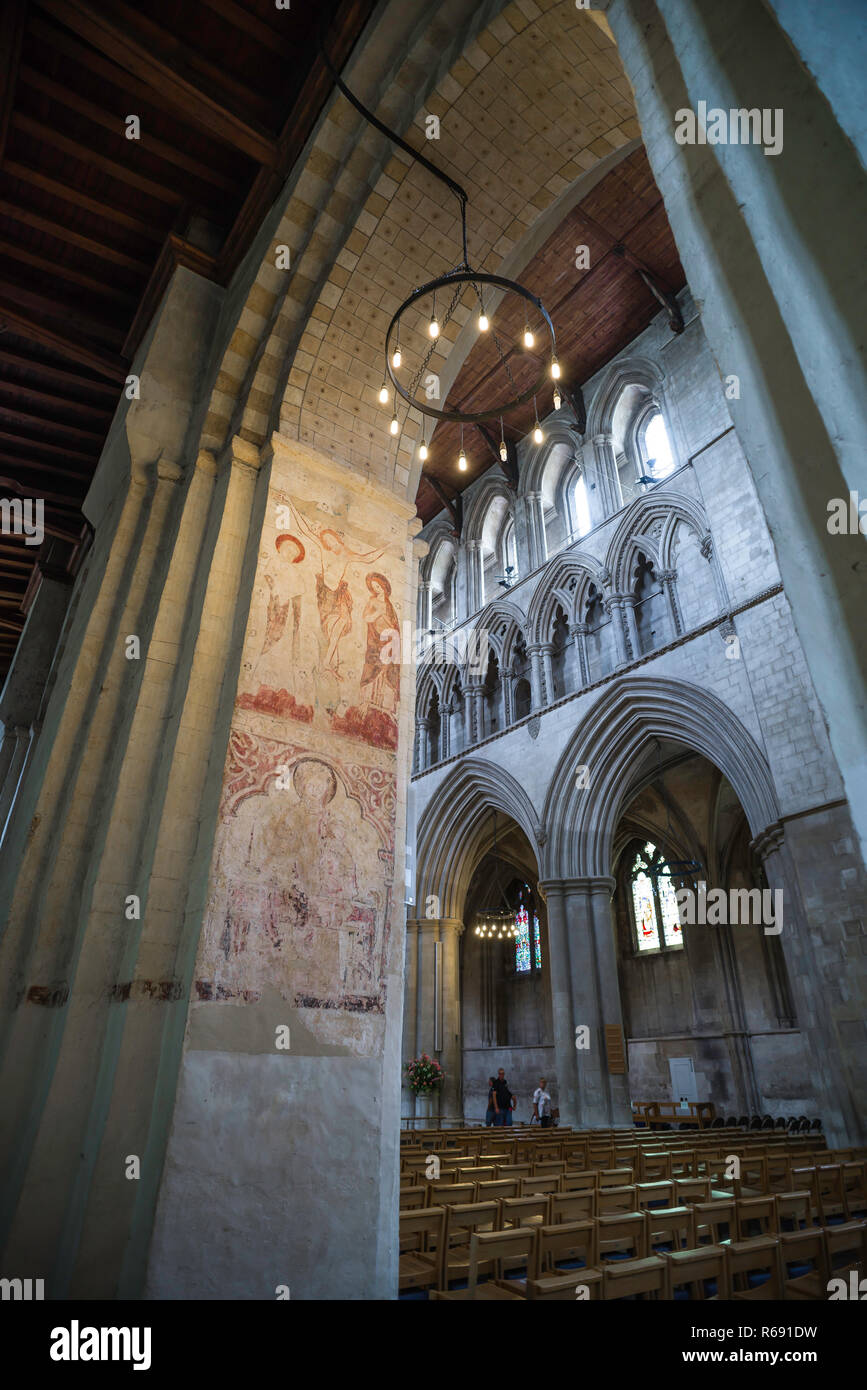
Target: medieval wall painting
319 629
300 897
300 892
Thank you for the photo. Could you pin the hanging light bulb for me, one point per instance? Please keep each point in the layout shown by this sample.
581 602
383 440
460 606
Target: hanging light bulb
484 322
394 426
383 394
422 453
529 338
433 326
504 452
555 369
396 358
462 458
558 399
538 436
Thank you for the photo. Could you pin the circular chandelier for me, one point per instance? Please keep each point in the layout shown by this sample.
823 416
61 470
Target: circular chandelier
496 926
452 288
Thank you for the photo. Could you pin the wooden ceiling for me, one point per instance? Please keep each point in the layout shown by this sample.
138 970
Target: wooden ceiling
596 313
92 223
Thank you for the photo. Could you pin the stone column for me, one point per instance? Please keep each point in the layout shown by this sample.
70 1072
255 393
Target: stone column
546 650
450 1056
578 633
410 1007
731 209
614 605
422 742
425 609
606 498
562 1011
537 691
536 529
667 579
475 581
826 973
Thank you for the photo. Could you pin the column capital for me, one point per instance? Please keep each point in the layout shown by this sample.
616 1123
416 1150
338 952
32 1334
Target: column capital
240 452
602 438
770 841
594 884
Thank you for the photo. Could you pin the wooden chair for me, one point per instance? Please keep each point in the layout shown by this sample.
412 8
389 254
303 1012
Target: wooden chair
513 1170
756 1216
563 1242
567 1240
748 1259
691 1190
411 1198
497 1190
655 1167
670 1226
611 1200
693 1269
451 1194
793 1211
489 1249
636 1278
573 1206
615 1177
798 1248
846 1248
477 1173
542 1186
546 1170
654 1193
421 1239
580 1181
832 1199
855 1188
626 1231
524 1211
715 1217
461 1223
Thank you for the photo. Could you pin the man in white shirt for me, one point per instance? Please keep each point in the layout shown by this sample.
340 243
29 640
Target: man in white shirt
542 1104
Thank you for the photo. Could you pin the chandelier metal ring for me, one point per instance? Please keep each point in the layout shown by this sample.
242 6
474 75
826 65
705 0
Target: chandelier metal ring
445 282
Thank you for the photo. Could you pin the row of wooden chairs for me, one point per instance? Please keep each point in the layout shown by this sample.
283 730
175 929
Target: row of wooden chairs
440 1245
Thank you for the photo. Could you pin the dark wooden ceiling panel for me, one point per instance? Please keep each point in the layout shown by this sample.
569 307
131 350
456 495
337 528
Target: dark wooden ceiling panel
596 313
227 93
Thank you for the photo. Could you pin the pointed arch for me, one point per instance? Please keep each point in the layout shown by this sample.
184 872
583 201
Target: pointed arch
564 582
456 829
490 487
581 821
504 622
648 524
627 371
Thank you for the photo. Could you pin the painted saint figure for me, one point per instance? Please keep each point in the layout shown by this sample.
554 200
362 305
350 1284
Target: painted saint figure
380 678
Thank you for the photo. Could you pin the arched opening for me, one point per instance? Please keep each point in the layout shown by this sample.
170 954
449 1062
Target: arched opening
505 985
707 1005
560 655
651 619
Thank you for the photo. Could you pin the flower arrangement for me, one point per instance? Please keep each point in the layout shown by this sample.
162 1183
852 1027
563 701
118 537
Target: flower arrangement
424 1074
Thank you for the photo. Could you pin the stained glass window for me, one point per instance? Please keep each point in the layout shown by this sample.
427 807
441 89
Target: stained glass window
537 943
654 901
522 939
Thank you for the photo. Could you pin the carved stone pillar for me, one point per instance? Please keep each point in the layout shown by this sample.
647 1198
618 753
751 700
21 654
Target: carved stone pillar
425 608
537 688
607 497
546 652
422 736
586 996
578 633
614 607
667 579
536 529
475 577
